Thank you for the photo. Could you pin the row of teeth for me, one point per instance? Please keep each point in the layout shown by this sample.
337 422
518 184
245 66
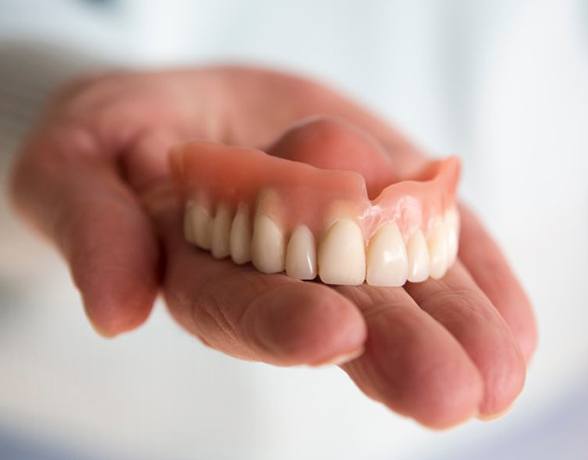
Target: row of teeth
342 256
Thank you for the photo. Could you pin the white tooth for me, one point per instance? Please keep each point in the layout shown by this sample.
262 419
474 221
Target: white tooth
201 225
452 225
240 238
301 254
387 261
418 258
267 245
188 221
221 230
341 254
438 251
452 244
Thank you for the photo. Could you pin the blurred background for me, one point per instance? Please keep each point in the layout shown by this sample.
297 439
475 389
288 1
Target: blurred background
502 83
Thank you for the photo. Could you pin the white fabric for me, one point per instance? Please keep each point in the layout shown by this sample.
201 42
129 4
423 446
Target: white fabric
503 83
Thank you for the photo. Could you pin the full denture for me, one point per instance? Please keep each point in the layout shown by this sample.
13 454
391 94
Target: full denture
285 215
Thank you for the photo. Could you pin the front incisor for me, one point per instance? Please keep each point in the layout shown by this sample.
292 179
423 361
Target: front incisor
267 245
341 254
301 254
387 261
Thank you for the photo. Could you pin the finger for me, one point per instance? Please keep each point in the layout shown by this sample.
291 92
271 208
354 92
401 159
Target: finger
411 363
67 189
490 270
333 143
330 143
270 318
478 251
304 99
461 307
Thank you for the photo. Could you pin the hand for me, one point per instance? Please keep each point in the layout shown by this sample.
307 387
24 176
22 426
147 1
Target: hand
94 178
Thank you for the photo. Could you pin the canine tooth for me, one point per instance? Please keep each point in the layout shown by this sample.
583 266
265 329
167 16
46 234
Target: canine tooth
452 225
418 258
221 230
267 245
301 254
240 237
438 251
188 218
341 254
201 224
387 261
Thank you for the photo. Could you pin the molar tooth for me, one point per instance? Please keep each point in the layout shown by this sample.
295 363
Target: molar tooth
301 254
387 261
438 251
267 245
221 229
452 225
201 225
188 222
418 258
240 237
341 254
452 215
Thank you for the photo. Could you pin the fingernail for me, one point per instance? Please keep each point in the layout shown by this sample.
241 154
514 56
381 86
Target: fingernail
102 332
491 417
340 359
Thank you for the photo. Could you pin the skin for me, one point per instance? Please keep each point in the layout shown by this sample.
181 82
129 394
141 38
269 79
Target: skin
93 178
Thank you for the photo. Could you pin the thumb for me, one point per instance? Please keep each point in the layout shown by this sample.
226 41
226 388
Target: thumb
70 190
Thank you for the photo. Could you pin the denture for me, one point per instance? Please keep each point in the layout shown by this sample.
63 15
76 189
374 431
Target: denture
289 216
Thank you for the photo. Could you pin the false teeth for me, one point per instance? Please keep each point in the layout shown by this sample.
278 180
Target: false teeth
199 223
387 261
339 258
452 226
418 258
341 254
221 230
240 237
343 217
301 254
438 251
188 224
267 245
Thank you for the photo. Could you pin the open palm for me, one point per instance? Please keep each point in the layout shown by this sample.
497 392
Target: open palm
94 177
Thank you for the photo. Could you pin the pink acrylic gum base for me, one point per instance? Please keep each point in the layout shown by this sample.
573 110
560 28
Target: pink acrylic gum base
294 193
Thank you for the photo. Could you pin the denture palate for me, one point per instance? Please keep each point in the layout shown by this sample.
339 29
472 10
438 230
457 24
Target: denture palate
284 215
